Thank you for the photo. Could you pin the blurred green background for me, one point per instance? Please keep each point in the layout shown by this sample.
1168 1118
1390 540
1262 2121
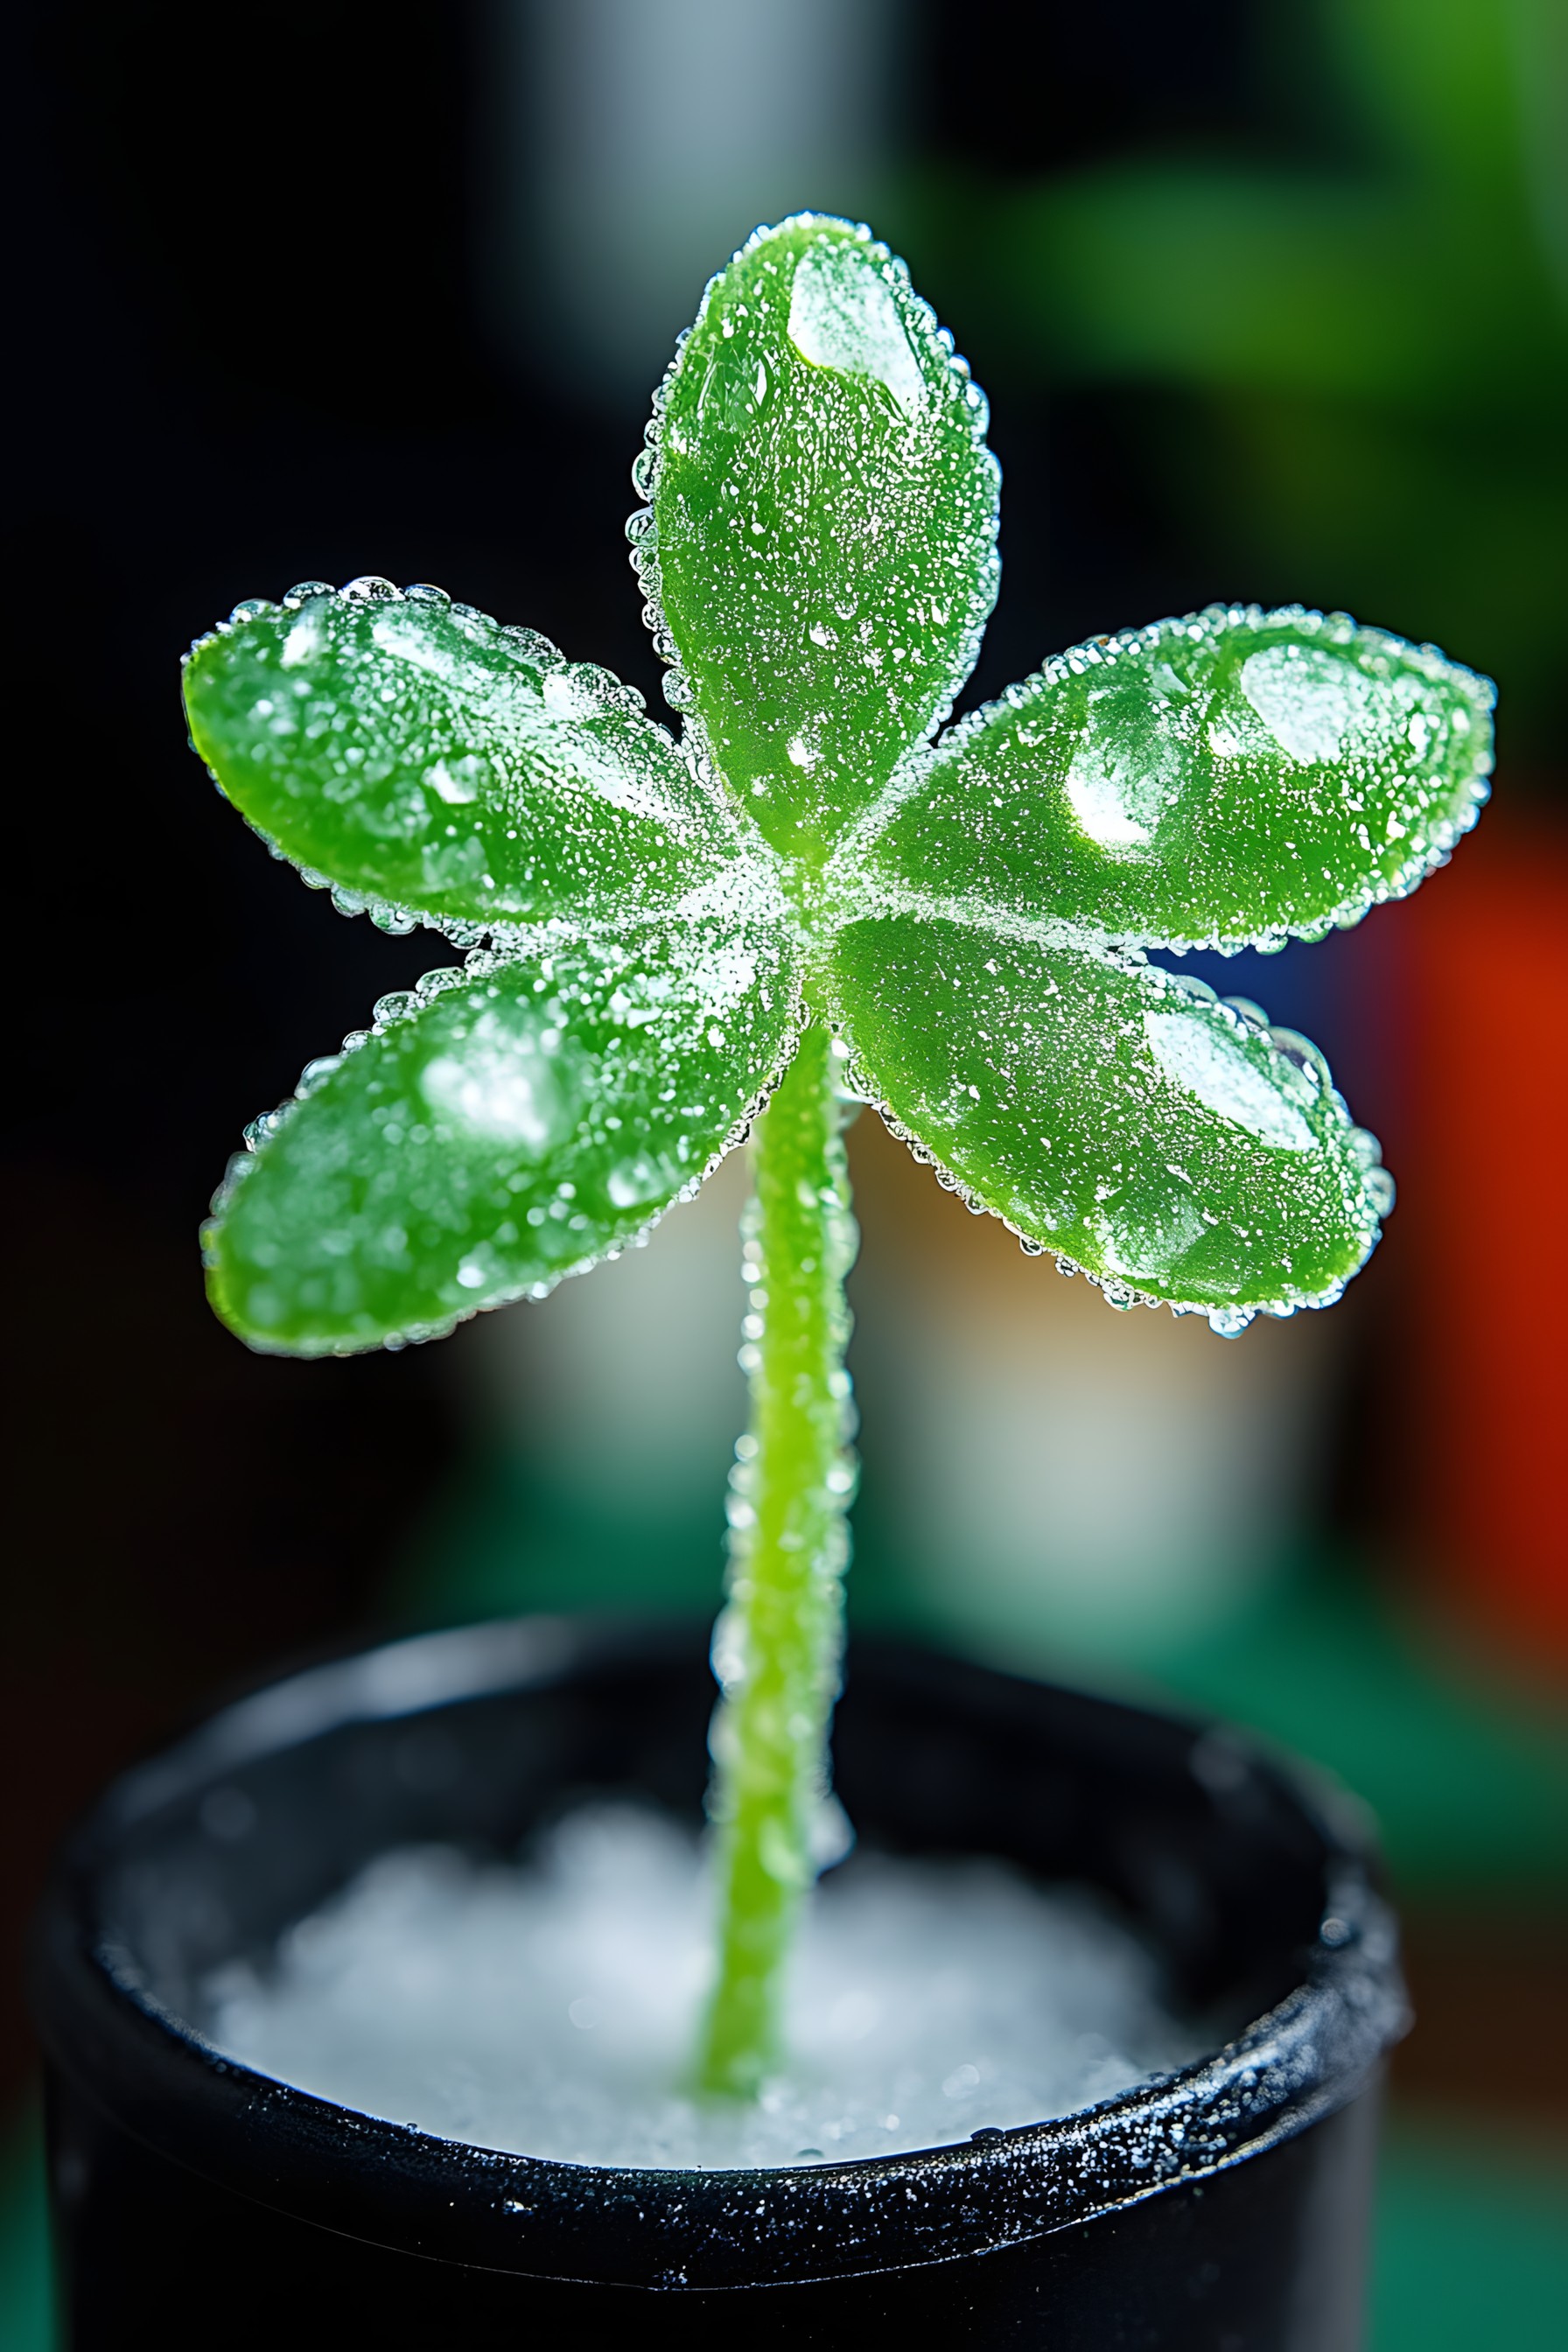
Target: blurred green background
1271 303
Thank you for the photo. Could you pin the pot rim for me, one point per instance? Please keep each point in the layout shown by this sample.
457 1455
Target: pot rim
391 2184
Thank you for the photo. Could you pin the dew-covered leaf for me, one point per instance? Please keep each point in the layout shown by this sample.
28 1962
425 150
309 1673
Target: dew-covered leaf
1114 1113
415 754
497 1130
820 553
1236 776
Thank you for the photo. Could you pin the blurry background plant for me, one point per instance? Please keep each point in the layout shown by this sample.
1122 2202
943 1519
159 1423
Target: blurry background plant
1366 304
1270 303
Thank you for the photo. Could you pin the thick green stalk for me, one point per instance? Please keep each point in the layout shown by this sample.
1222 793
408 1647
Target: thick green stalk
777 1646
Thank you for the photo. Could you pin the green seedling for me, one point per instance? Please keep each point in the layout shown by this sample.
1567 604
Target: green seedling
803 902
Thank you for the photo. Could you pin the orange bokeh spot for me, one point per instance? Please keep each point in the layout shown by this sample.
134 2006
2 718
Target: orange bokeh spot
1482 1225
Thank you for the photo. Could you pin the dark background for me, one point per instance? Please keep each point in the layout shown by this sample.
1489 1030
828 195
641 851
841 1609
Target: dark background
250 346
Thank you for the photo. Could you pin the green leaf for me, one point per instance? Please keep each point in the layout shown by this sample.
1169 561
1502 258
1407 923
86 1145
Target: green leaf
820 553
415 754
1442 83
1116 1114
1237 776
497 1131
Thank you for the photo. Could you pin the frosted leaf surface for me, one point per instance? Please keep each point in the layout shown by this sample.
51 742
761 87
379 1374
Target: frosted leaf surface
818 555
415 752
1236 776
1111 1113
496 1133
822 553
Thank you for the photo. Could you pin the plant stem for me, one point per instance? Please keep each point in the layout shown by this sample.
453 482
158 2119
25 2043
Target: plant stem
777 1646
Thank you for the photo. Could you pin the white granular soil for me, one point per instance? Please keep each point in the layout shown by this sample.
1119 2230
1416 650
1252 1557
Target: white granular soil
547 2007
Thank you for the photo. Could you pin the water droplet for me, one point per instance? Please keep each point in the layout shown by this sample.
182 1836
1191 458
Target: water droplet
316 1074
1215 1066
844 315
1380 1190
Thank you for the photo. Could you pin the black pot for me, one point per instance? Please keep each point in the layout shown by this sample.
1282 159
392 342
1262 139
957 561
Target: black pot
1223 2207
